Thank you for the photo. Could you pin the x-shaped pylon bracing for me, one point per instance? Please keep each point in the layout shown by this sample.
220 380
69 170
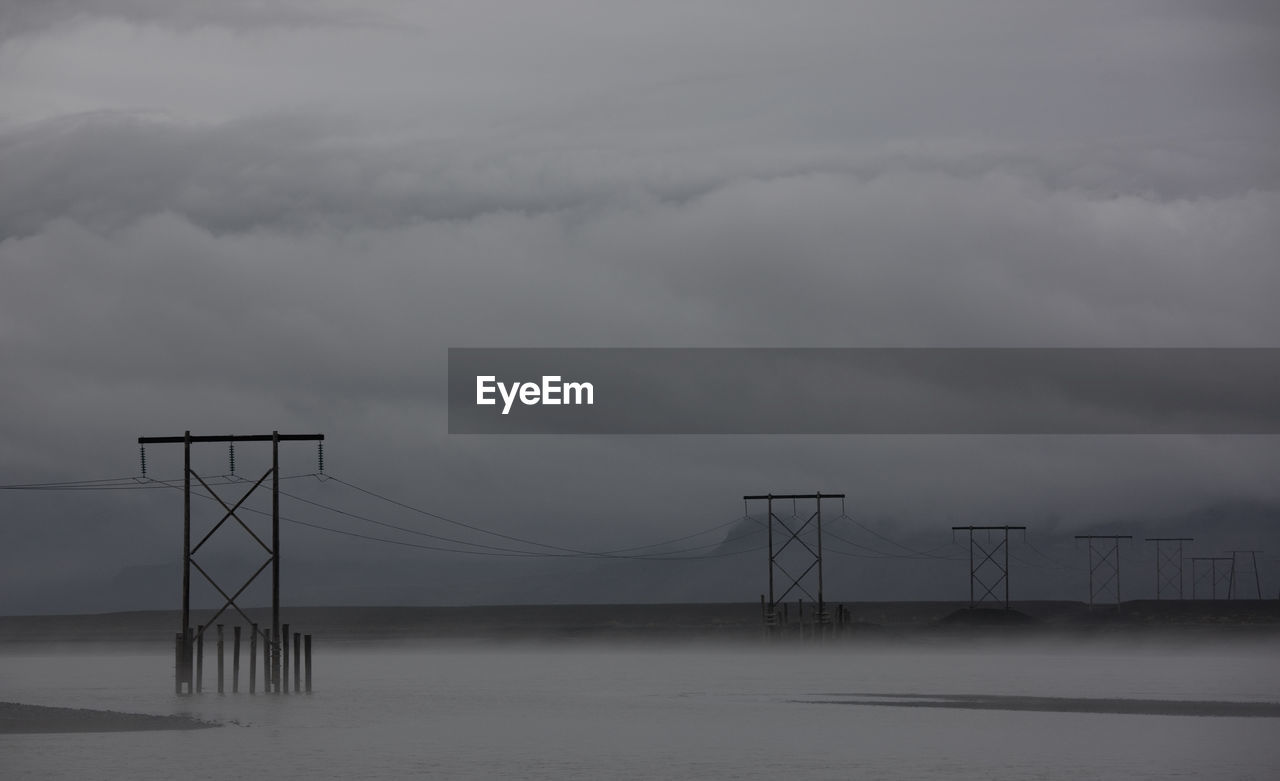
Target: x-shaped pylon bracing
988 561
989 591
989 556
796 582
230 514
1170 572
1104 566
230 600
1198 577
793 535
1169 559
1105 561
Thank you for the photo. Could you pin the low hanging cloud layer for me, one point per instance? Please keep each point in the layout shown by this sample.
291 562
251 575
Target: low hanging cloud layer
280 216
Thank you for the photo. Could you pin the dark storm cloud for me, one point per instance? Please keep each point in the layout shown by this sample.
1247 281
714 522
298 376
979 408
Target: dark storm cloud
33 17
108 169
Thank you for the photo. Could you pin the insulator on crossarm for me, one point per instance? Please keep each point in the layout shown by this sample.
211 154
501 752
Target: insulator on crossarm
231 457
142 458
320 457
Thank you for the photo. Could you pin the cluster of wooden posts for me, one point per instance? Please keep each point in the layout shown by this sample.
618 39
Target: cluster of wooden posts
818 623
275 661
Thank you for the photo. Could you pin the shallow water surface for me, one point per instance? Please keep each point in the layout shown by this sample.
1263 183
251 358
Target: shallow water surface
746 711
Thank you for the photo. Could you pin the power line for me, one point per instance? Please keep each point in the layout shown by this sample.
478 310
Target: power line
143 483
874 533
512 538
419 532
504 553
1055 562
874 553
67 483
515 551
463 524
127 483
147 483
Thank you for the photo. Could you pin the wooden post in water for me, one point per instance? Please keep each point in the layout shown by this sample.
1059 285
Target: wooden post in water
235 660
306 640
177 663
199 658
253 658
188 642
220 661
297 662
284 654
266 663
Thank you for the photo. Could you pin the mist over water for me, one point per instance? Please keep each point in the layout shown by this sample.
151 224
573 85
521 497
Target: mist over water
591 711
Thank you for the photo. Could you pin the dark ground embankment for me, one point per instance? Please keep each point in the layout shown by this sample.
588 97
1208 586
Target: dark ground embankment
665 622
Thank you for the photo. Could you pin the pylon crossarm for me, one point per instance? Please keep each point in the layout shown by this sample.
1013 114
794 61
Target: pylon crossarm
231 511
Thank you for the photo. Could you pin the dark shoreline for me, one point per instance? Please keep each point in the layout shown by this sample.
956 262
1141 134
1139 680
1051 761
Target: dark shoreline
22 719
1102 705
907 621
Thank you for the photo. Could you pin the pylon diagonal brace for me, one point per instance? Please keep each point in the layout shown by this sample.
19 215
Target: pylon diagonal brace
1171 560
1104 555
988 557
989 591
231 511
794 536
795 582
988 552
231 600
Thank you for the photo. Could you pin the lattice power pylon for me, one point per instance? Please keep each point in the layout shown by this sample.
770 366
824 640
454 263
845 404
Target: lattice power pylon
184 669
800 556
1104 566
994 563
1169 565
1232 592
1216 575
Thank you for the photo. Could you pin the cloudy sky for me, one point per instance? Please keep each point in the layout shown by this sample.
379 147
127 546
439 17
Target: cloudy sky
252 216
